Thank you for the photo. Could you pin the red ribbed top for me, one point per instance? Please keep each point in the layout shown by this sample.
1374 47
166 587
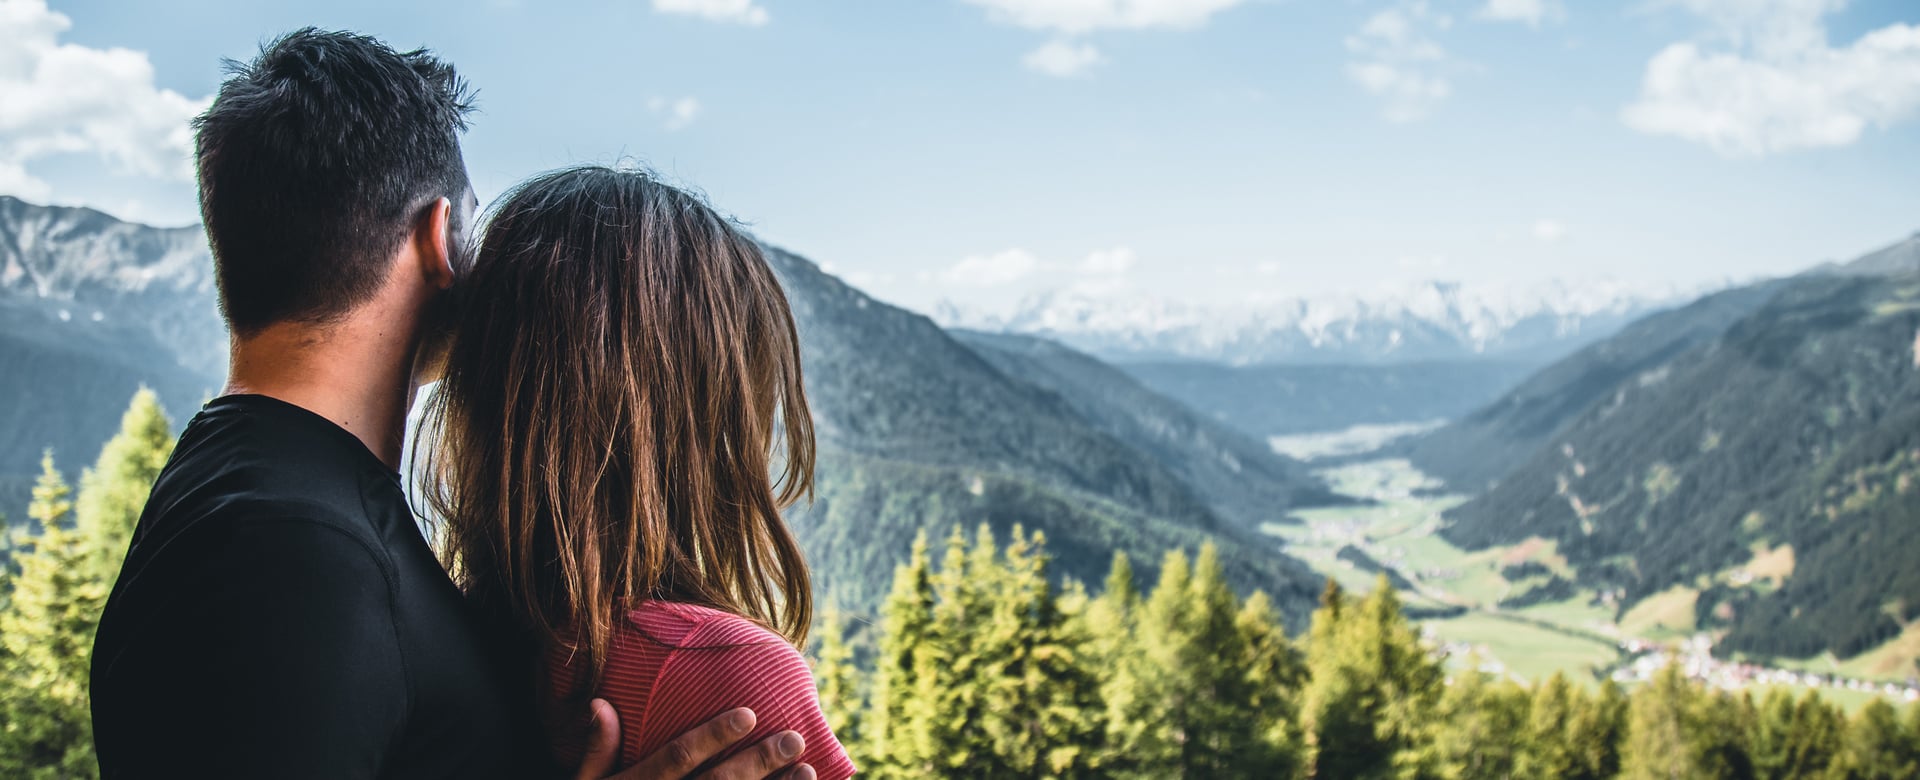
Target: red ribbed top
674 666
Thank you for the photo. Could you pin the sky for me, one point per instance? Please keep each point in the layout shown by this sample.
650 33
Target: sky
1201 151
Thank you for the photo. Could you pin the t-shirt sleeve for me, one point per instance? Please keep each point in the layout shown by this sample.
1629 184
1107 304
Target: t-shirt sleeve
290 647
770 677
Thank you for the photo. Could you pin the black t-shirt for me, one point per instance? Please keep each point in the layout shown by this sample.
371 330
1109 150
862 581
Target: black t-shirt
280 615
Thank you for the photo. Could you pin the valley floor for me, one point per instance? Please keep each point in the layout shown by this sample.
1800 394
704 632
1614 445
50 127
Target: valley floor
1580 636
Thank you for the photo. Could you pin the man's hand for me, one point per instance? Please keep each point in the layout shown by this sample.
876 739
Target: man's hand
677 759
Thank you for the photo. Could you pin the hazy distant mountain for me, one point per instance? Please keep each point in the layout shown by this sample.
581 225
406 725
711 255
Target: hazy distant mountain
90 309
1422 322
1278 400
917 431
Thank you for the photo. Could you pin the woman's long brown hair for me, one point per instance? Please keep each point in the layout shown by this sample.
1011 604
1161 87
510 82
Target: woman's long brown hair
622 382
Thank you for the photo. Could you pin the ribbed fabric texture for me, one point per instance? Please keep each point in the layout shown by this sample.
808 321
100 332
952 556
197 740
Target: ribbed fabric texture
675 666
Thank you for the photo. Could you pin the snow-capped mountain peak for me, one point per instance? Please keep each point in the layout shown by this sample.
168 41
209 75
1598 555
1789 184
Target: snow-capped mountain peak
1406 321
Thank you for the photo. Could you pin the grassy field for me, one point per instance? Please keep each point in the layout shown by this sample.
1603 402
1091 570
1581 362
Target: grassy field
1528 651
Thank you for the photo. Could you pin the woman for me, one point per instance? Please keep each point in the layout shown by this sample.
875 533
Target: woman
623 383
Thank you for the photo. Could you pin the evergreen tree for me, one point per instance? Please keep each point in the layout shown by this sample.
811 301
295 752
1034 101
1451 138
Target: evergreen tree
1040 698
1720 724
1550 745
1598 733
948 676
1159 666
1481 728
1115 649
114 491
895 709
1677 730
1791 740
839 682
1372 690
47 632
1657 729
1878 747
1274 673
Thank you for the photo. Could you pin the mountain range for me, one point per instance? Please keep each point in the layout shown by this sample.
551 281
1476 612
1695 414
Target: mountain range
1417 322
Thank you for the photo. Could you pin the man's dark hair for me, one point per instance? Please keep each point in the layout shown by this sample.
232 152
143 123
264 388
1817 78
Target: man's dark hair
314 161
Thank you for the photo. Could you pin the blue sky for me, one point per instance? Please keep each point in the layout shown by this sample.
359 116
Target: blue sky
1198 150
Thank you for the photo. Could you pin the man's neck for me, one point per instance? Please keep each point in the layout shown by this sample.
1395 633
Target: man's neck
356 373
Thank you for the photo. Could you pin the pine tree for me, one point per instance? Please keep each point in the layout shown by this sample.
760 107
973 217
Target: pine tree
1659 721
1481 728
1160 665
1040 699
1274 674
1549 745
1772 735
114 491
839 682
1598 732
1372 691
1114 648
894 707
1878 747
949 669
1719 726
47 632
1678 730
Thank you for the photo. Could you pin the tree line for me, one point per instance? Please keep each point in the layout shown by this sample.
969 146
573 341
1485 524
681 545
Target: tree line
980 666
984 665
61 567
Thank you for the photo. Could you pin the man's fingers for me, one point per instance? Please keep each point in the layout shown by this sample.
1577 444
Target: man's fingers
763 760
678 758
799 772
603 742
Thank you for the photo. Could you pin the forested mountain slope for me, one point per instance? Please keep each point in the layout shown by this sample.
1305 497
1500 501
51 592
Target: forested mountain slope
1240 478
1474 451
1793 435
917 431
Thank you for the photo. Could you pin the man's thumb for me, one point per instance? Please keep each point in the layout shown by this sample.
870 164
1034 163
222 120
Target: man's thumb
603 742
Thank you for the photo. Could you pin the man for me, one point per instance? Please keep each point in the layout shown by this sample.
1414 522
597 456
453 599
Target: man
279 613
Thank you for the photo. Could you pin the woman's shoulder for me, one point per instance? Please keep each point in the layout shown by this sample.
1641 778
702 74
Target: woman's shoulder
685 626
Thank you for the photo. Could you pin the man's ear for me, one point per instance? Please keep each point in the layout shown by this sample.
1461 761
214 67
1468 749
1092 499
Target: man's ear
433 243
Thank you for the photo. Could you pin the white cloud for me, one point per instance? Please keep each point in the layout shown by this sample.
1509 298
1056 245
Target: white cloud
1766 79
1395 59
1530 12
1108 262
62 98
674 114
730 11
991 270
1062 58
1549 230
1081 16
